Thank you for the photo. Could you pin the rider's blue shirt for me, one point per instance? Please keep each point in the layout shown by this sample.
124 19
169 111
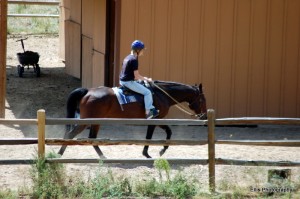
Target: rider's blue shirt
130 64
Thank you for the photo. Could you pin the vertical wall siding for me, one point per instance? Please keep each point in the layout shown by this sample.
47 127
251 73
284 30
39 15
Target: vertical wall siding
93 40
290 87
246 53
71 13
258 63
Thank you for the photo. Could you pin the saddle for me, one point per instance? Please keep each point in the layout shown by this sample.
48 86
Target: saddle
125 95
127 91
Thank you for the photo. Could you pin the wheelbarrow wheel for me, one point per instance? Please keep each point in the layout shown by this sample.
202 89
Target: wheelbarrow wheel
20 70
38 70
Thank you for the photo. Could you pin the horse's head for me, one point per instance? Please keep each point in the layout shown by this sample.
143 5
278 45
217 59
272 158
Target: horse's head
199 104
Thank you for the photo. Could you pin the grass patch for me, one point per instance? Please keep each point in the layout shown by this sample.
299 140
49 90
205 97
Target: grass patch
8 194
48 179
51 181
32 25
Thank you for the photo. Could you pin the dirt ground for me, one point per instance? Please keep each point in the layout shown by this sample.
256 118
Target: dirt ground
28 94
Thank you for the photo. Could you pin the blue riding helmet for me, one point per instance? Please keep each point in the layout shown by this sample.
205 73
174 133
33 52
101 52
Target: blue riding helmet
137 45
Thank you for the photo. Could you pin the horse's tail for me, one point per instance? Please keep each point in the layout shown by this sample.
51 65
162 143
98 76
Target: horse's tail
73 102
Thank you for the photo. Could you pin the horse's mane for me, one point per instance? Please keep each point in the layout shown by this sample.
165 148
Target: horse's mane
171 84
175 89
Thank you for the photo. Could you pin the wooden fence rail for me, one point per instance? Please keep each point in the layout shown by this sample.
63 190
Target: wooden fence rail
34 2
258 120
42 121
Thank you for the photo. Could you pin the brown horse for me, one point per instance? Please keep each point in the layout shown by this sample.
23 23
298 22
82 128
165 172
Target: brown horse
102 102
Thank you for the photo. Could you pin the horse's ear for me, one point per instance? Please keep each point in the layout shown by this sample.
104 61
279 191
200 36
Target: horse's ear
200 88
196 85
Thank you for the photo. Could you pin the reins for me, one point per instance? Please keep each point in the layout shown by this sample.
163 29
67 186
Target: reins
178 105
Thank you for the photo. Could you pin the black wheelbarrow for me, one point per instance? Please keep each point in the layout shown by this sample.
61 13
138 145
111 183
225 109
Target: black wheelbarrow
28 58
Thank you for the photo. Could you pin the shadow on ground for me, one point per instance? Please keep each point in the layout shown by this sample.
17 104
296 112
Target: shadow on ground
26 95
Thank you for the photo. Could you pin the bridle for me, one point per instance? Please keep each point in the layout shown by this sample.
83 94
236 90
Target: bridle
180 106
200 115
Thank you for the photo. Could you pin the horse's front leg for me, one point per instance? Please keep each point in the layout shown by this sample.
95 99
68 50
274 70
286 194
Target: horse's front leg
149 135
93 134
70 135
169 134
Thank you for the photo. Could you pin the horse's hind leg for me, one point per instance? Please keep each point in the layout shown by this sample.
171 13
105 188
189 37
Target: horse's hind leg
93 134
70 135
169 134
149 135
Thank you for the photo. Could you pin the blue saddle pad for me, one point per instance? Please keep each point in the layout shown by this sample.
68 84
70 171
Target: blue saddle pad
127 98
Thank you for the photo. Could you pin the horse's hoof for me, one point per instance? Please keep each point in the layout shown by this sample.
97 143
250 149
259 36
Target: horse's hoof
162 152
102 157
146 155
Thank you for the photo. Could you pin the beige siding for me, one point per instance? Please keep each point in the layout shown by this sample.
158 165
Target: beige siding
158 56
291 68
98 69
257 57
73 48
87 43
99 42
246 53
99 31
224 62
70 37
93 41
87 62
64 14
88 19
85 36
75 10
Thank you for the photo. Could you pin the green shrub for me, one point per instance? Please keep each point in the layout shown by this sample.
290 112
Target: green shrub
48 179
178 187
107 184
162 165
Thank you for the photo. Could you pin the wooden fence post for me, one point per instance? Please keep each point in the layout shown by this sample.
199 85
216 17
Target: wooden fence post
41 117
3 41
211 149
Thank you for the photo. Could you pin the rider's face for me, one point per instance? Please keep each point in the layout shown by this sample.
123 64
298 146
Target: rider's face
141 53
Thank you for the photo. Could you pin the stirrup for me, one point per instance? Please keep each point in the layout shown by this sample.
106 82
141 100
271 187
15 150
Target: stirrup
153 113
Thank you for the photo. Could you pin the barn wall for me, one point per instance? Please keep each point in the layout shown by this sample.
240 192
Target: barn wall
246 53
71 36
93 42
73 48
87 62
99 37
84 33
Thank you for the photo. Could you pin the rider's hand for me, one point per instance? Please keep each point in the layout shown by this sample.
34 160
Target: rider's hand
148 79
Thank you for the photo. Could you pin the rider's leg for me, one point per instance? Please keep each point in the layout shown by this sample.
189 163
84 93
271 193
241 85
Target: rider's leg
136 87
